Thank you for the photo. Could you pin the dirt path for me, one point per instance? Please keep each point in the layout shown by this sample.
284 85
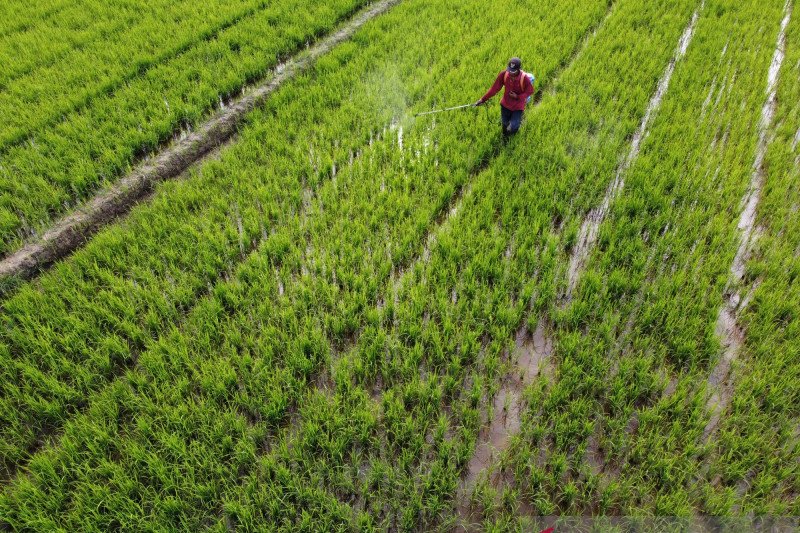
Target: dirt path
727 329
587 237
75 229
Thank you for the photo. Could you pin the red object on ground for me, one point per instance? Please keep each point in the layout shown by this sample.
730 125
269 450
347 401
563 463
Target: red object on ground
511 84
548 530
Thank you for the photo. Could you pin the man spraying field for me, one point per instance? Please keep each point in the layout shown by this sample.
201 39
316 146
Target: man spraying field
518 90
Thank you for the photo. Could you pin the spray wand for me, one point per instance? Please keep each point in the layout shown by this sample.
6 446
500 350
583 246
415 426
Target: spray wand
443 110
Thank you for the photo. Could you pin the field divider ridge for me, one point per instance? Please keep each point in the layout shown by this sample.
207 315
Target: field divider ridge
75 229
731 335
7 142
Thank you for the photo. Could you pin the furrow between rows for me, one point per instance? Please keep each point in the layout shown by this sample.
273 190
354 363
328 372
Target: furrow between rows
74 230
730 333
16 133
587 237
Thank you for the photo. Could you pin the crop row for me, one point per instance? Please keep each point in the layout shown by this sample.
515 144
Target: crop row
389 220
622 425
753 463
18 15
67 31
37 100
94 146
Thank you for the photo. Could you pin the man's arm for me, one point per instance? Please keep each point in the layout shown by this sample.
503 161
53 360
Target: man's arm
494 89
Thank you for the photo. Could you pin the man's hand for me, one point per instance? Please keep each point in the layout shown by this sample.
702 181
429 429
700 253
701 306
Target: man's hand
513 94
479 102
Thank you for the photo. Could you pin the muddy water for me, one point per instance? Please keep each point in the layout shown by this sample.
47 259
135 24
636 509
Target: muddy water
400 137
727 329
587 237
732 337
532 354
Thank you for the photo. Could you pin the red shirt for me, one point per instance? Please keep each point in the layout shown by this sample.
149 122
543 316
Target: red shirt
522 87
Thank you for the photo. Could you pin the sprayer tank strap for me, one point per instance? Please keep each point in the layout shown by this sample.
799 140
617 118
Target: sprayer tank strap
522 77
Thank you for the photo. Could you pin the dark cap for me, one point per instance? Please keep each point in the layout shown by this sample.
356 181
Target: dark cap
514 64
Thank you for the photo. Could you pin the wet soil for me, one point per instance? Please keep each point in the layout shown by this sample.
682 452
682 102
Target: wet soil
727 329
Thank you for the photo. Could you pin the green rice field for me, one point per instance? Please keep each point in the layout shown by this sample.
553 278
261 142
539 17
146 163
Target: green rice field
347 316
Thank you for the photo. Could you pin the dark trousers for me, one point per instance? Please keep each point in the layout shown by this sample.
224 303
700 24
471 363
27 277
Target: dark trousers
511 119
